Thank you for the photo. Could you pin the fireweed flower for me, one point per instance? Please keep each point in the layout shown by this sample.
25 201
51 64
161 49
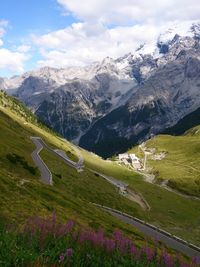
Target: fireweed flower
183 264
69 252
117 235
133 250
196 261
109 245
69 225
168 260
61 258
149 252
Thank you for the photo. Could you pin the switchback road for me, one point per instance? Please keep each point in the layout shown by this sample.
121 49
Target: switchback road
46 175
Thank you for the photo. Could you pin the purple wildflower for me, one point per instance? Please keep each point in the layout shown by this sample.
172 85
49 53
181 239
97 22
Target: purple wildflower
196 260
109 244
117 235
133 250
61 258
149 253
69 252
168 260
69 225
183 264
97 239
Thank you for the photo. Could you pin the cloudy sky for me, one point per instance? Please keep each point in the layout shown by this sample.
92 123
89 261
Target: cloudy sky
35 33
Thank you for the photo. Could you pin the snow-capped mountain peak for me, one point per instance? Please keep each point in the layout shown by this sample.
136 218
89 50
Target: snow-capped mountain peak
182 29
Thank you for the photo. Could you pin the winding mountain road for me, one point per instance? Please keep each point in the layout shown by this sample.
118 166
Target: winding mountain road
78 153
156 233
46 175
111 180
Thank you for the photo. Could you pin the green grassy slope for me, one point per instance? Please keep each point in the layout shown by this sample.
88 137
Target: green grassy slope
23 194
181 164
181 168
170 211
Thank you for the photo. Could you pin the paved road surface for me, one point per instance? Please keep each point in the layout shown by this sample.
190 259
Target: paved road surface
61 154
111 180
78 153
46 175
147 230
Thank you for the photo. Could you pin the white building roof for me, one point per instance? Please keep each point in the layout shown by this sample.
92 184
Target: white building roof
123 156
133 157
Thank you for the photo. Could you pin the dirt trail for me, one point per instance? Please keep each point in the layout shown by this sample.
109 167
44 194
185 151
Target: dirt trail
150 178
138 198
125 191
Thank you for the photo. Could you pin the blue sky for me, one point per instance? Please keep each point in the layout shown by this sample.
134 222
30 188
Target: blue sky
60 33
26 17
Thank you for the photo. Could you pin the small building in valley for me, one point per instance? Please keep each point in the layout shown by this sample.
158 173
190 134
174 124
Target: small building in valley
123 156
130 159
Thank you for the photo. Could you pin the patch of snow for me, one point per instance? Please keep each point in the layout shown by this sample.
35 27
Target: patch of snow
37 93
185 28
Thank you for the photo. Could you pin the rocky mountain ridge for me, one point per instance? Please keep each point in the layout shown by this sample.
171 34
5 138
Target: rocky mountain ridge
160 102
132 97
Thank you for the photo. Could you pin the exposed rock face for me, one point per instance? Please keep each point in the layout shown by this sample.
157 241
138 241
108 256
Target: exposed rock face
186 123
110 105
168 95
67 111
71 105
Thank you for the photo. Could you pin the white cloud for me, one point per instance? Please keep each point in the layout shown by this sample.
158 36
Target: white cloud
106 28
133 23
12 61
127 11
3 25
83 43
23 48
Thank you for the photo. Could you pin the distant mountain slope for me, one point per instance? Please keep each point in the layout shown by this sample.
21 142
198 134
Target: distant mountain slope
70 105
16 106
186 123
103 137
167 96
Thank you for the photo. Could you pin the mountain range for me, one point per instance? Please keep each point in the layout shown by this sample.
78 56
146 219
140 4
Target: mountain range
109 106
